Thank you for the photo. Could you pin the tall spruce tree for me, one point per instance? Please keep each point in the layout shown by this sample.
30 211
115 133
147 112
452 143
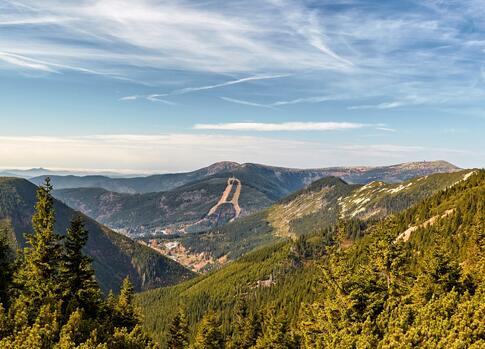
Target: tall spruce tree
126 315
246 327
80 289
43 255
276 333
178 334
38 275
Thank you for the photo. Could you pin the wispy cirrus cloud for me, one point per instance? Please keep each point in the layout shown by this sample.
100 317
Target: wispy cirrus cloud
351 50
311 100
239 101
167 35
25 62
156 96
283 126
227 83
405 101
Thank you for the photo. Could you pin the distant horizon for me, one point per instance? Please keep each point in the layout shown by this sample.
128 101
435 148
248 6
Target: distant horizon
130 173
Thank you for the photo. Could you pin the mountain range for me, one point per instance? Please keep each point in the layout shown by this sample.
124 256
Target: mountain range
181 203
287 179
313 209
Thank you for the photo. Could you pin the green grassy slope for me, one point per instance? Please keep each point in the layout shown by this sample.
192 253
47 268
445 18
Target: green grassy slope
115 256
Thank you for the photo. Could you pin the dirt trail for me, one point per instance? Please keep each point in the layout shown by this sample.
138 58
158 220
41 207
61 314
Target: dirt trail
235 198
405 235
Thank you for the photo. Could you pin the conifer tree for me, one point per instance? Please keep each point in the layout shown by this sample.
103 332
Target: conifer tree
178 334
80 289
126 315
44 253
209 335
246 327
38 275
276 334
71 332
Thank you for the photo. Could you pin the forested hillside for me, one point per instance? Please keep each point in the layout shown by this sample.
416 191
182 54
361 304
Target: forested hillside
315 208
49 297
115 256
414 279
181 210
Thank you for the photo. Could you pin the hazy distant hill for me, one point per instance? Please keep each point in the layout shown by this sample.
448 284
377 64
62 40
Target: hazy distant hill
115 256
38 172
153 183
400 172
283 180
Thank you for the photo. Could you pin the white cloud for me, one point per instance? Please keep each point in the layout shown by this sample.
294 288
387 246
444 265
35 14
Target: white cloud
307 24
284 126
156 98
315 99
52 67
387 129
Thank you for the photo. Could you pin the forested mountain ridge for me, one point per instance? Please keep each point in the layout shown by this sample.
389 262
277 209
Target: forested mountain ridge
281 181
314 208
351 285
185 209
115 256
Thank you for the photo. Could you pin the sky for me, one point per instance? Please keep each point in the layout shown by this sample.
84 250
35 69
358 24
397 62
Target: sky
158 86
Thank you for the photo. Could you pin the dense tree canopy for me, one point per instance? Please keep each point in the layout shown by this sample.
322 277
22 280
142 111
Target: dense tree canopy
49 295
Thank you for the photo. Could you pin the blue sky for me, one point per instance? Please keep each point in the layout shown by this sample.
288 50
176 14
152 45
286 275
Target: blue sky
154 86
